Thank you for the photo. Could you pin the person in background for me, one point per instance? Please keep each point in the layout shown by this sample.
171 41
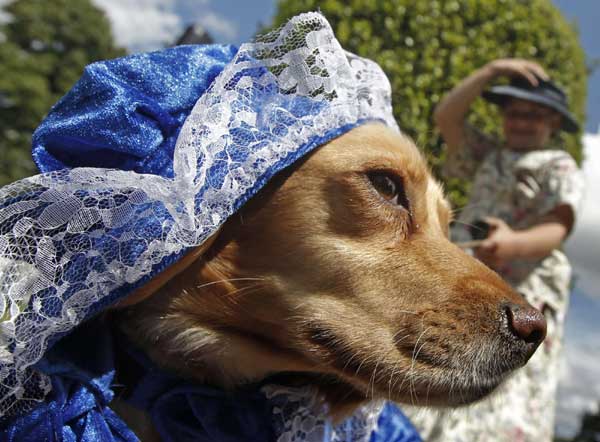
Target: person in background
528 192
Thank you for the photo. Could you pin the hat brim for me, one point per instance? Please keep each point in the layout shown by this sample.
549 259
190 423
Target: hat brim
499 94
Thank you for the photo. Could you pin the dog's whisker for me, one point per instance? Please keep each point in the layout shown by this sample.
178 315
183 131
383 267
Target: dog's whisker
463 223
395 337
360 366
245 290
372 379
349 361
458 210
391 378
429 385
373 376
404 378
412 364
221 281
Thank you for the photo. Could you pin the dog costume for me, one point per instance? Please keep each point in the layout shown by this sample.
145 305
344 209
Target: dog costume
142 161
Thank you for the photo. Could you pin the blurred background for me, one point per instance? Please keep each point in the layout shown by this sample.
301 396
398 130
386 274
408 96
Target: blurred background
425 47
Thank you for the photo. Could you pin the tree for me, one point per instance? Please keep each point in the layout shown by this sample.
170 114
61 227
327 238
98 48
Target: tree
46 45
427 47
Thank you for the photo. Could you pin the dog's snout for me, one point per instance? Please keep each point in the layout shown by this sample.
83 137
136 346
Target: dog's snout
526 323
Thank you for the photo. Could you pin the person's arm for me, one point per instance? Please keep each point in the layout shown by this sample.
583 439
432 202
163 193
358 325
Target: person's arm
450 113
505 244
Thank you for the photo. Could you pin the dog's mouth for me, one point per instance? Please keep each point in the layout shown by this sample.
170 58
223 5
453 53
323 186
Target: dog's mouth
418 385
452 394
413 375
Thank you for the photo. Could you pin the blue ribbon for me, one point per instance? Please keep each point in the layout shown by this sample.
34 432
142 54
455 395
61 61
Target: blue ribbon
182 411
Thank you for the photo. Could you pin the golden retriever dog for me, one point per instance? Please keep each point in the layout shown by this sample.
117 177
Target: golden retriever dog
339 273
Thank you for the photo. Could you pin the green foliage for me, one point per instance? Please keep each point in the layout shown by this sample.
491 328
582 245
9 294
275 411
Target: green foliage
427 47
45 47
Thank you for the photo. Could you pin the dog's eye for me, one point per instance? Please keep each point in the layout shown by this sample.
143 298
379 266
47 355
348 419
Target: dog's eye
390 187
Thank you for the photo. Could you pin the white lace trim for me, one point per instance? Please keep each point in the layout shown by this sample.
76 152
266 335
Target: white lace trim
303 416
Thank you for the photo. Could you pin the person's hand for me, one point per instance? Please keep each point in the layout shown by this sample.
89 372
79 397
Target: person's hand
501 245
517 66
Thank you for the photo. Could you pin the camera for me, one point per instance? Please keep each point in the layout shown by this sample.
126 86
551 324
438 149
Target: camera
479 230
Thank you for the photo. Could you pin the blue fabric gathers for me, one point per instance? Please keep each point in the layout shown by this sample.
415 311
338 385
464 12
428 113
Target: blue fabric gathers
82 369
127 113
182 411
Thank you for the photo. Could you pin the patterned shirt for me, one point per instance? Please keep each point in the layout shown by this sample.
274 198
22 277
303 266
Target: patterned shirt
519 187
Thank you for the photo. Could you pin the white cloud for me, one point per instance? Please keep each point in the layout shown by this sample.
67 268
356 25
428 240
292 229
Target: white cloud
584 245
217 25
144 25
579 390
587 279
223 30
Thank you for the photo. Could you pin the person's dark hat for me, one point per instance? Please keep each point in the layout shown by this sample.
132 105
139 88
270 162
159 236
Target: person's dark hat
546 93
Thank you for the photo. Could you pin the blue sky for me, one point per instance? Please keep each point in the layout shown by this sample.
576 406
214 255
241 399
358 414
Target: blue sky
151 24
585 14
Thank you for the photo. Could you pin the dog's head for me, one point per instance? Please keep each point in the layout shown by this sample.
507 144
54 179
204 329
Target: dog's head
341 272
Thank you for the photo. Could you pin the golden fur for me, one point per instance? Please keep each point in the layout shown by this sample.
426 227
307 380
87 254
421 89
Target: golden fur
321 276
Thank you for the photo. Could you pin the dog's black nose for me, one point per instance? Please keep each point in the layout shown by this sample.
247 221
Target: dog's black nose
526 323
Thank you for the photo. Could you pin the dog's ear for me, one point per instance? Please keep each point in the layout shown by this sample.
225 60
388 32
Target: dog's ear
166 275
